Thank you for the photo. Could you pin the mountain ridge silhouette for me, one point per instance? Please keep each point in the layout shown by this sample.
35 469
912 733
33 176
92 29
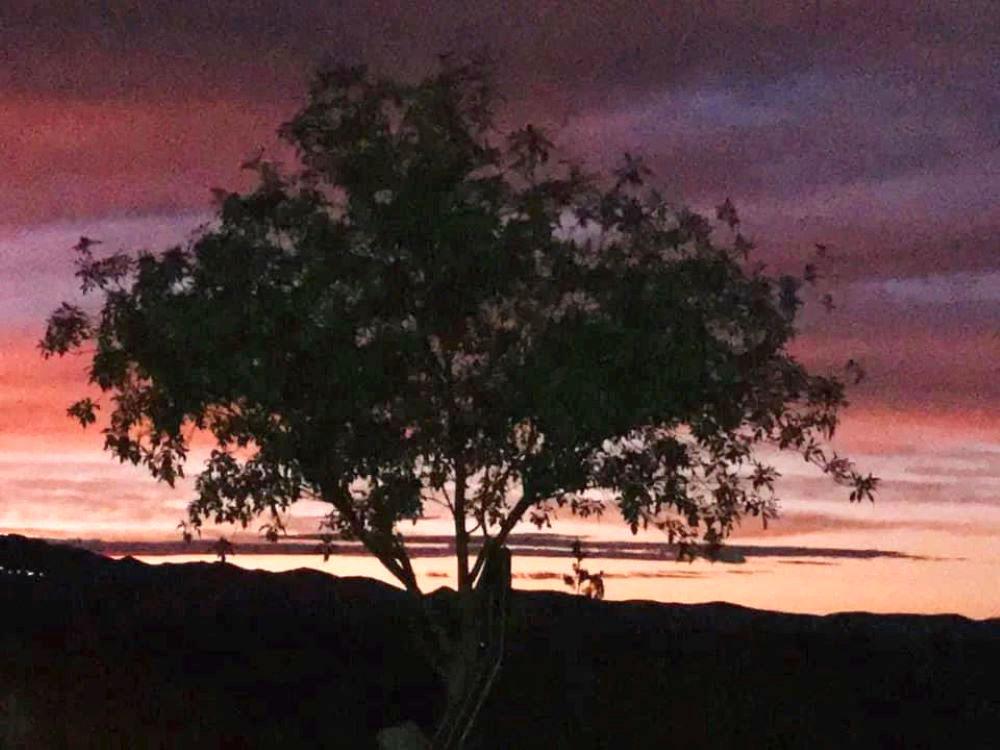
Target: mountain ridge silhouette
106 653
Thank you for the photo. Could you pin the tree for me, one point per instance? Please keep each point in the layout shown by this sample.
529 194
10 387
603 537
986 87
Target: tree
428 311
591 585
223 548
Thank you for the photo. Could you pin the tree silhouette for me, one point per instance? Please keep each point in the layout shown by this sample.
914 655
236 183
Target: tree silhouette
431 312
223 548
274 529
591 585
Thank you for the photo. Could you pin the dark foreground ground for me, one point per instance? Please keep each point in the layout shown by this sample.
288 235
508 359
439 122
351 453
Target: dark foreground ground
104 654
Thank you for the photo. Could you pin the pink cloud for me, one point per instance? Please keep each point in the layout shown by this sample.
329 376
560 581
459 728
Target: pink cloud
67 159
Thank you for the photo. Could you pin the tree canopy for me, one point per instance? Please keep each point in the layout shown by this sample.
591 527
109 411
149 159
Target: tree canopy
427 310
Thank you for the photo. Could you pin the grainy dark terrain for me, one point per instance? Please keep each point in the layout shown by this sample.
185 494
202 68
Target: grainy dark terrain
102 654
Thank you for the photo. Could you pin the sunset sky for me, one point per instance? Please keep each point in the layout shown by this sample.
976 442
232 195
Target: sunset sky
871 127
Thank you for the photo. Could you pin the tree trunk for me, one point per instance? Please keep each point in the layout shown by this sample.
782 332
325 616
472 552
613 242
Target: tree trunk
471 666
478 653
461 534
403 737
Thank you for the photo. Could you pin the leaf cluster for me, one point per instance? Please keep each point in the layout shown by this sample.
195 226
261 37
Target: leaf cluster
431 311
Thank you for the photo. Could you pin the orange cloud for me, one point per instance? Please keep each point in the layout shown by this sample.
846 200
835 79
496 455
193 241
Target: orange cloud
34 394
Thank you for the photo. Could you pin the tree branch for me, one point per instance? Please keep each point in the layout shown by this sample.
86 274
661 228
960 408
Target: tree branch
517 512
404 559
341 500
461 533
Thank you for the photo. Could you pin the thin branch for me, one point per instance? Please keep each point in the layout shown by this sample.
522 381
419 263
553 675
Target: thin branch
341 500
413 587
447 499
515 515
435 500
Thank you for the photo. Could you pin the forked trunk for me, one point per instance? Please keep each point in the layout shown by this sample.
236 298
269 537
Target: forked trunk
472 666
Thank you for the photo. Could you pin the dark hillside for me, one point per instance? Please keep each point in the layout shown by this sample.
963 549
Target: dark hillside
102 654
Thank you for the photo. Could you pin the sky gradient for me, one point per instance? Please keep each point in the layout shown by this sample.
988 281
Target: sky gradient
873 128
